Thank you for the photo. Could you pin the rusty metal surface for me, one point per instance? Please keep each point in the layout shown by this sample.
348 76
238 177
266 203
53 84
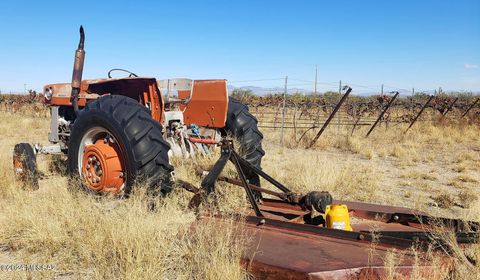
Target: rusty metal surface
90 89
370 207
376 211
393 226
277 253
144 90
291 241
415 219
284 244
363 215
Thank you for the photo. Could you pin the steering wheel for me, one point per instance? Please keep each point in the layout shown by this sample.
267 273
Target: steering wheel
130 74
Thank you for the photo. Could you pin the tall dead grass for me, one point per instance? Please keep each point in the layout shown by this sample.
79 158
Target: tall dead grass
441 155
104 239
91 238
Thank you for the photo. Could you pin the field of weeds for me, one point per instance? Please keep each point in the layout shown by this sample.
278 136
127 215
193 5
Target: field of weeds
434 168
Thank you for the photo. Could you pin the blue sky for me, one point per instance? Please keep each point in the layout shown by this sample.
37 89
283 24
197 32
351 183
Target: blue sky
404 44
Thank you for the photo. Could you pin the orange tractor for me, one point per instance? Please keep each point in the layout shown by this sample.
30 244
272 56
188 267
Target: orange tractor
118 131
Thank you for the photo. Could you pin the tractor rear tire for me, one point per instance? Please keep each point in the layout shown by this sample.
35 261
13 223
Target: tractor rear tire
25 164
242 125
136 139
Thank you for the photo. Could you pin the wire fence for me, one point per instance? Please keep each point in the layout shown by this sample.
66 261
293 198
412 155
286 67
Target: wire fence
289 107
371 107
313 119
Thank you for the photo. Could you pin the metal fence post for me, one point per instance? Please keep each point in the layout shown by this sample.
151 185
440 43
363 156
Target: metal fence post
421 111
471 107
283 111
338 119
382 113
332 115
450 107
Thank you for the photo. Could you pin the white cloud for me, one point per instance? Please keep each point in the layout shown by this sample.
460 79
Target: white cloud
470 66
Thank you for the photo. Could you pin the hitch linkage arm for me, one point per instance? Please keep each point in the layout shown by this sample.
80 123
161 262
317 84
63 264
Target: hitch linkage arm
227 153
312 200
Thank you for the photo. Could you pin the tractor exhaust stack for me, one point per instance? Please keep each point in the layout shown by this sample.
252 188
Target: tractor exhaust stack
78 71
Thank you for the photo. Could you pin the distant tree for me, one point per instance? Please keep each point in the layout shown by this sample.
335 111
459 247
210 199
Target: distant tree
464 95
240 93
420 94
331 96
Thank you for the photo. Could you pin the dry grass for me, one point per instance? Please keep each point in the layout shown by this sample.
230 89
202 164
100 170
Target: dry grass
105 239
444 200
429 158
90 238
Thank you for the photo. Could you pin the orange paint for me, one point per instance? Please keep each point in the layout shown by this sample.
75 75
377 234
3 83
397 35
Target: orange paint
144 90
103 167
208 105
65 101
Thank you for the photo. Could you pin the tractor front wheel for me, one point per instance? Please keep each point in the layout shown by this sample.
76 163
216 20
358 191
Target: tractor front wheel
25 166
115 144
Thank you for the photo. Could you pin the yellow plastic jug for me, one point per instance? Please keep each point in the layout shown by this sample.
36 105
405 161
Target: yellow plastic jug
337 217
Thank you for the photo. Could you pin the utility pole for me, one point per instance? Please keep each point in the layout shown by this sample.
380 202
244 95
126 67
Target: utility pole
316 74
382 90
340 87
283 110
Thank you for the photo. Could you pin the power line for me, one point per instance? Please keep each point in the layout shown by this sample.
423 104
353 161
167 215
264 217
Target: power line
361 86
312 82
259 80
398 89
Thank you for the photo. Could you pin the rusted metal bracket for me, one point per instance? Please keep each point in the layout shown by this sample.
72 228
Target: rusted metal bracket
419 113
332 115
382 113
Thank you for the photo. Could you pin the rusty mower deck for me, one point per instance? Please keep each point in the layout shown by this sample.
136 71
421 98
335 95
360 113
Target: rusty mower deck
289 239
